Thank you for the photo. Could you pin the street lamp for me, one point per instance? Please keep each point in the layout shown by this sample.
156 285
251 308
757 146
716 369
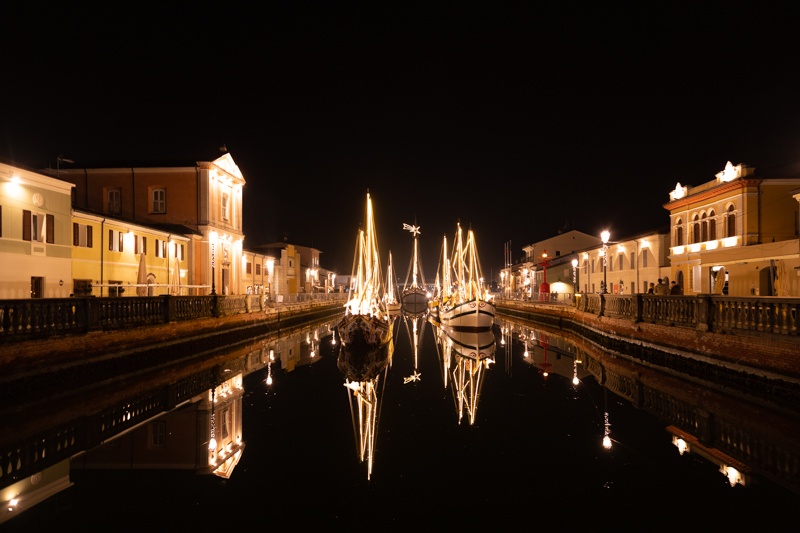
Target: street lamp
213 238
604 236
544 288
574 277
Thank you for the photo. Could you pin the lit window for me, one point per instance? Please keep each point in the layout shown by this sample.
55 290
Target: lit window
159 200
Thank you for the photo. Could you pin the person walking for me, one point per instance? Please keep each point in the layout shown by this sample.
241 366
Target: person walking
675 288
661 289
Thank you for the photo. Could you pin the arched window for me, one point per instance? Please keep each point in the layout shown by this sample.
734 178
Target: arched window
712 225
695 229
704 229
679 232
730 223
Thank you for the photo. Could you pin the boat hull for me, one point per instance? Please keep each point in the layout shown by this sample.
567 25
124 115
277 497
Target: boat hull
474 344
364 331
473 314
415 301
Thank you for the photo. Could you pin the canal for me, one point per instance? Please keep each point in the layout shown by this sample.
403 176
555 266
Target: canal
510 435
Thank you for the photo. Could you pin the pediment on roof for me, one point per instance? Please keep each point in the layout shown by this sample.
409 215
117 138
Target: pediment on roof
227 164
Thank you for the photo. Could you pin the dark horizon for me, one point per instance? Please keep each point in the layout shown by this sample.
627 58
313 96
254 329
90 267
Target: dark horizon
516 119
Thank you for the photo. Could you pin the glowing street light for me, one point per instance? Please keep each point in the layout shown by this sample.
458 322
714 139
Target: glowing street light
574 277
605 236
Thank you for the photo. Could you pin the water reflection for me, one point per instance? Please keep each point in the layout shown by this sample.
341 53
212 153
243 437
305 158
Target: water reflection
464 356
532 447
365 368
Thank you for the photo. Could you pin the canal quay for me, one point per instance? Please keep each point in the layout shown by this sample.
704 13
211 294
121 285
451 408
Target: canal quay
715 378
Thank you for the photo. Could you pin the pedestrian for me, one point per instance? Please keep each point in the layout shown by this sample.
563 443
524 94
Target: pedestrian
675 288
661 289
650 290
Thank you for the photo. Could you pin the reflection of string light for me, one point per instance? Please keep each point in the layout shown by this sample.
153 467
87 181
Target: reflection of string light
606 432
575 379
212 444
606 424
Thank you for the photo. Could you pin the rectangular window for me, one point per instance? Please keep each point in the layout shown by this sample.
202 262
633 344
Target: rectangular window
139 244
644 258
82 287
182 249
620 259
114 199
248 268
81 235
158 434
159 200
117 290
115 240
633 260
226 424
38 227
258 269
225 201
161 248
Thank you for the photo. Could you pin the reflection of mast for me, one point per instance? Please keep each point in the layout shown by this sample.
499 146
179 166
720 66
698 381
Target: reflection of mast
443 349
364 408
474 352
362 368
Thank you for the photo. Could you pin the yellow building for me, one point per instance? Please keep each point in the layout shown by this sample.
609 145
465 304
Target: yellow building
202 202
35 235
736 235
116 258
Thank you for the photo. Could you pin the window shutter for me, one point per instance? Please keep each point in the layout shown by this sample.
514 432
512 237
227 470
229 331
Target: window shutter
50 226
76 234
89 236
26 225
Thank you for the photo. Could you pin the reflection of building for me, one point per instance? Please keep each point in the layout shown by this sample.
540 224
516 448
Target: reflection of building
35 235
736 235
205 435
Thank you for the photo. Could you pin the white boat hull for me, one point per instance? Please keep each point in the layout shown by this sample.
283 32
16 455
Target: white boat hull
475 314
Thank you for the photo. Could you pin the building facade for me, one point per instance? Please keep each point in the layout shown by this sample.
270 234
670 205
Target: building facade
737 234
35 235
201 201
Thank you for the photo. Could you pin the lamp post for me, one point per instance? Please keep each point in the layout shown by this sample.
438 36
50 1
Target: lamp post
574 277
605 236
213 237
270 267
544 288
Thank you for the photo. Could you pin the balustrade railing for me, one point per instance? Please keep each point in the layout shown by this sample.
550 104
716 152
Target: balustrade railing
721 314
22 320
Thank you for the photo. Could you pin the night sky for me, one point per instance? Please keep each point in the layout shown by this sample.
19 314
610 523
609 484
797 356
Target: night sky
518 119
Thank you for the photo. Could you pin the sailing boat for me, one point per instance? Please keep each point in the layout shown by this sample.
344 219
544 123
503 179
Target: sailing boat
415 296
390 296
366 323
465 301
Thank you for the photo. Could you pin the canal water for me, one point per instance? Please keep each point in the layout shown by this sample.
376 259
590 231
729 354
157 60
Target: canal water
511 441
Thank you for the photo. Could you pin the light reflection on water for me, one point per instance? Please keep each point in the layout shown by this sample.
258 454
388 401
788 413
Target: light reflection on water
505 438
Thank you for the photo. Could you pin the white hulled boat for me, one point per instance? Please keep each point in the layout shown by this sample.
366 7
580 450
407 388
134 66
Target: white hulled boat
465 302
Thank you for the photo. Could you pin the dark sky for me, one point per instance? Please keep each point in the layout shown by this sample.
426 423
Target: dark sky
518 119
